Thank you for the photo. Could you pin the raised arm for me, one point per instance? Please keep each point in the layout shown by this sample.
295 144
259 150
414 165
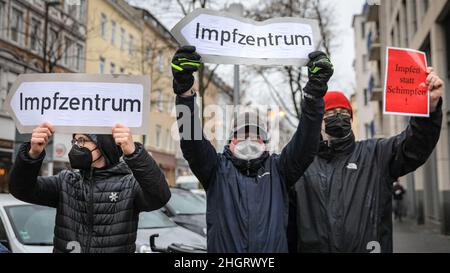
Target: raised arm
152 190
411 149
197 150
301 150
26 185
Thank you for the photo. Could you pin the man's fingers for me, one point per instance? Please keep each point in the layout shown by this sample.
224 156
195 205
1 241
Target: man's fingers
121 131
121 140
122 135
38 141
41 135
42 130
430 70
49 126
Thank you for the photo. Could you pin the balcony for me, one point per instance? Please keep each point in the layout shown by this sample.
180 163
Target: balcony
374 47
375 90
372 11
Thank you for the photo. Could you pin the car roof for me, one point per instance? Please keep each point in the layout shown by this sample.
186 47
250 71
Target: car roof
176 189
7 199
187 179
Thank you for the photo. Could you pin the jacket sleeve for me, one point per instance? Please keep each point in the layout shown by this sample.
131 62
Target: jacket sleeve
299 153
197 150
152 190
410 149
27 186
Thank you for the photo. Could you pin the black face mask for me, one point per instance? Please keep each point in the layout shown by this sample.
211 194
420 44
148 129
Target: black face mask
338 126
81 158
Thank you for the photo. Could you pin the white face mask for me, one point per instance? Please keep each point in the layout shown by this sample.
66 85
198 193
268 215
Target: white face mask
248 149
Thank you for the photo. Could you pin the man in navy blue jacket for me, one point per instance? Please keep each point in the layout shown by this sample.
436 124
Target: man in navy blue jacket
247 188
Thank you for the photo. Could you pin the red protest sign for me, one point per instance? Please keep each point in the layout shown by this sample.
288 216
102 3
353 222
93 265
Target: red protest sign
405 92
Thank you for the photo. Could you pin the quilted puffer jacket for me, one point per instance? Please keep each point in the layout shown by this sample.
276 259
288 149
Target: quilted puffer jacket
98 209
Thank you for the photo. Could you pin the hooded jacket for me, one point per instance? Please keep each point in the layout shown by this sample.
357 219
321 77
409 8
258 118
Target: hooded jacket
343 202
247 201
99 208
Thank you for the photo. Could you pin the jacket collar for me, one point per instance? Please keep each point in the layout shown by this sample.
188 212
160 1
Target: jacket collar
337 147
246 167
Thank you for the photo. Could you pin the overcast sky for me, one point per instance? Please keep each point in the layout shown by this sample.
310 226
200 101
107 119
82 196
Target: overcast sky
168 12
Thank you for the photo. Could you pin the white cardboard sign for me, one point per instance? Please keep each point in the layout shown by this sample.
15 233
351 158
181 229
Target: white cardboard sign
80 103
221 37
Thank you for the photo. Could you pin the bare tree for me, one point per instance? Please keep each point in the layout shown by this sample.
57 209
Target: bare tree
205 75
293 76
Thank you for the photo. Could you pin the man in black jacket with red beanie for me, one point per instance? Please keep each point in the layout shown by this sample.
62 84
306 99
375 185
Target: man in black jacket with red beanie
98 205
343 202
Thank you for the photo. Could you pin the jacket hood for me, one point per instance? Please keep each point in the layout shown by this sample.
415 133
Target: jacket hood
107 146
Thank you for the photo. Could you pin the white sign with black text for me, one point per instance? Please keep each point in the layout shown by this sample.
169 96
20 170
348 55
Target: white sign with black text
80 103
221 37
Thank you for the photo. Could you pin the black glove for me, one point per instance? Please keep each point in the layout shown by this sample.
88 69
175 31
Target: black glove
320 70
184 63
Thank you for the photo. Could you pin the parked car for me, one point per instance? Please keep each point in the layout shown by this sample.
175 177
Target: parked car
187 210
191 183
166 233
26 228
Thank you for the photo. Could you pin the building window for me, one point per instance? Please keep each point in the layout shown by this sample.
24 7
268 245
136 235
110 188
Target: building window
158 136
122 39
169 140
112 68
159 100
113 32
35 33
122 70
363 30
53 42
413 16
148 53
17 26
68 51
103 23
160 61
81 10
102 65
365 60
2 17
130 45
426 4
366 97
79 57
71 8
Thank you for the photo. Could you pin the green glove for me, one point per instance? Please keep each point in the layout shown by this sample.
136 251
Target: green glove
320 70
184 63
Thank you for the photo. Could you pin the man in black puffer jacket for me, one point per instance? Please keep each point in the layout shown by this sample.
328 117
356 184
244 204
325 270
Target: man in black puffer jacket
98 206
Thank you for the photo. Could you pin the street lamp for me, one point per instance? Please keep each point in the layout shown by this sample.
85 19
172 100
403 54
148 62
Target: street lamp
48 4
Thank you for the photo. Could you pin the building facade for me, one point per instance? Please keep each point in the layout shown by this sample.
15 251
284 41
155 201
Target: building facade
123 39
422 25
22 39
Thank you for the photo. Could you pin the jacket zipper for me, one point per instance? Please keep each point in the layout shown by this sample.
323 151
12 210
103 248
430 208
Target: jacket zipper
91 211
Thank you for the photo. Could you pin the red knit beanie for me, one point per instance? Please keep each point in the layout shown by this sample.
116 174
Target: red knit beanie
337 99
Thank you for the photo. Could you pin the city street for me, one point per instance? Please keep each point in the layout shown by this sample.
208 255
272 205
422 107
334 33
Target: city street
411 238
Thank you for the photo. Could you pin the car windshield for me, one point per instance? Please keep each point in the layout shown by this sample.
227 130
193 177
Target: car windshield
32 224
186 202
154 219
